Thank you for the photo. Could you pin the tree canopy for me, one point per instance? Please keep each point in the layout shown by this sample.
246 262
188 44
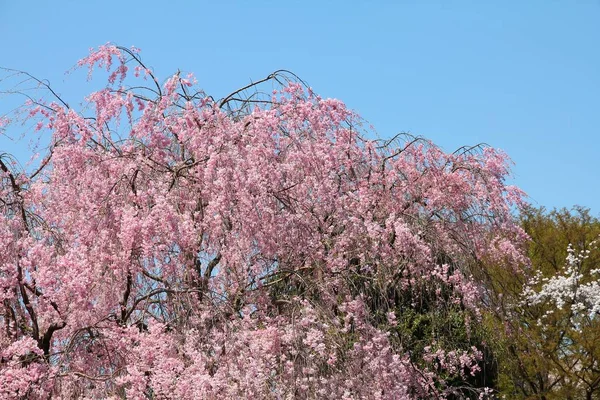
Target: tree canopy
170 245
546 320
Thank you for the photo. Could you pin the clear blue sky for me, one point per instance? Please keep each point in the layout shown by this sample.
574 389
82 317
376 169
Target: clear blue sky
523 76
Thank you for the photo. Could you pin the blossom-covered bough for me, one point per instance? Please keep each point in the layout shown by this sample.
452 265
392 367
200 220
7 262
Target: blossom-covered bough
170 245
573 288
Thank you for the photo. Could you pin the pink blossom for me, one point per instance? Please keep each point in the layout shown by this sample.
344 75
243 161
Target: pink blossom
180 247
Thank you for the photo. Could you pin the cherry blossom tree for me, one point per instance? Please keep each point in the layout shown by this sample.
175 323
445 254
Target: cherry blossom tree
170 245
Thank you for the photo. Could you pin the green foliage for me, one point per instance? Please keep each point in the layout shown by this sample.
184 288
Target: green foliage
543 352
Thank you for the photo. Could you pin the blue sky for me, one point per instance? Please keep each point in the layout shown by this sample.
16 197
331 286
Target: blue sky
520 76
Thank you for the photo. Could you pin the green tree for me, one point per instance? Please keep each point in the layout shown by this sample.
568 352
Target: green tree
547 349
